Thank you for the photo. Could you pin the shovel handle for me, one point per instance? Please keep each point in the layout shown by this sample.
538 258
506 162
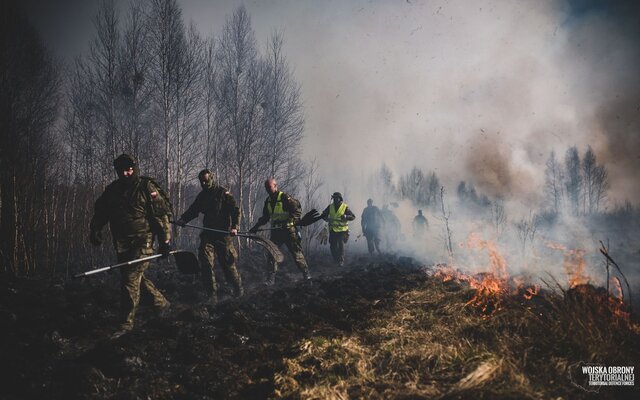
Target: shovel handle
123 264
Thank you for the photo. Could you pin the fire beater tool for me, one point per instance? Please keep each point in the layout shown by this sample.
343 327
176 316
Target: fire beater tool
186 262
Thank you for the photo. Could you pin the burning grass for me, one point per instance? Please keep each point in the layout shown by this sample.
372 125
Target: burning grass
434 343
374 330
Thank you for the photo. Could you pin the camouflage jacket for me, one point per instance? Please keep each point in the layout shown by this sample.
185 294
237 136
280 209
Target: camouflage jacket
218 206
134 212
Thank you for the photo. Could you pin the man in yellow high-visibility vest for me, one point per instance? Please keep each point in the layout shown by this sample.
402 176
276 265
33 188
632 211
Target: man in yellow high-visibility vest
284 212
338 215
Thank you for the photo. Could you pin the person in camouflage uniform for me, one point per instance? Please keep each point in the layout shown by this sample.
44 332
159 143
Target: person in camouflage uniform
338 214
136 209
284 212
220 212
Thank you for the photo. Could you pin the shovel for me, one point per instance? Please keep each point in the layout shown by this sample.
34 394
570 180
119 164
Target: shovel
186 261
271 247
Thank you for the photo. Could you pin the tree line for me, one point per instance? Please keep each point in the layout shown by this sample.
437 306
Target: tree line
149 85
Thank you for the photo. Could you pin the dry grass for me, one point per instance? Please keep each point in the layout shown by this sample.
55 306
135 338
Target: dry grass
431 344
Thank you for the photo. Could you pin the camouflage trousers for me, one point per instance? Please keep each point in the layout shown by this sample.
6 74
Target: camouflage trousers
133 283
221 247
291 240
336 244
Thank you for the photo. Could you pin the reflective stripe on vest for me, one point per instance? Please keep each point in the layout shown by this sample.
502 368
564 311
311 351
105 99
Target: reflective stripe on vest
279 218
336 224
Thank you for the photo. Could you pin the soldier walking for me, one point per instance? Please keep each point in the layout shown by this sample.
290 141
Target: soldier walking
338 215
220 212
284 212
372 222
420 225
136 209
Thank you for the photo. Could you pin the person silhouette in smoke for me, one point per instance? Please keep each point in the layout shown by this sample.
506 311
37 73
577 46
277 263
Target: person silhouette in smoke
420 225
371 223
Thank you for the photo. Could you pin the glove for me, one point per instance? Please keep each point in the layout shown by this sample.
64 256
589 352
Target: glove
95 237
165 249
181 222
253 230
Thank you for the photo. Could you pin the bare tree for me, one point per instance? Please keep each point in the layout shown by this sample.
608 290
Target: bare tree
588 178
381 184
573 179
213 138
28 108
135 90
284 121
526 229
238 97
166 44
188 87
433 186
595 182
553 187
600 187
413 186
312 183
102 72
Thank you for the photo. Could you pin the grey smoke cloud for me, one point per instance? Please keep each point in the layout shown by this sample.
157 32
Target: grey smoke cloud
478 91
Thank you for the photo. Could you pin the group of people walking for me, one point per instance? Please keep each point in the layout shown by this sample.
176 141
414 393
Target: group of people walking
138 210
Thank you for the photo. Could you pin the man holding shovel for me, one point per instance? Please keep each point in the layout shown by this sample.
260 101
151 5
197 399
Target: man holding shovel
136 209
284 212
220 213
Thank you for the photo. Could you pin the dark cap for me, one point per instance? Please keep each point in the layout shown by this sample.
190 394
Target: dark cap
124 162
337 195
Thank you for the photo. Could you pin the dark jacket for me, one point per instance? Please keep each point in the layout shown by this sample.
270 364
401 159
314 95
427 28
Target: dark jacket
218 206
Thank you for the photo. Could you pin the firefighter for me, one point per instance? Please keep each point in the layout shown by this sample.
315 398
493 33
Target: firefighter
371 223
420 225
338 215
284 212
220 212
136 209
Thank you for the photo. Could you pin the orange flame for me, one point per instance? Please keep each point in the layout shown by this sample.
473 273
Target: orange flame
492 288
574 264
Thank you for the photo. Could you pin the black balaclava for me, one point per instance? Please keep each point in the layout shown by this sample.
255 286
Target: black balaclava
209 183
123 163
337 198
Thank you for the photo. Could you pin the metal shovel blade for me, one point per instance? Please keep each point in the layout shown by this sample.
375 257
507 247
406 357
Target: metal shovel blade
186 261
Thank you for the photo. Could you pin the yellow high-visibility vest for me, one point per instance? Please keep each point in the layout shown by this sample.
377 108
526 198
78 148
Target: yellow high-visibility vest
279 218
336 224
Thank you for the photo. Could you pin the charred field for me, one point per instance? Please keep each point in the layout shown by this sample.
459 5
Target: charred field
383 328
